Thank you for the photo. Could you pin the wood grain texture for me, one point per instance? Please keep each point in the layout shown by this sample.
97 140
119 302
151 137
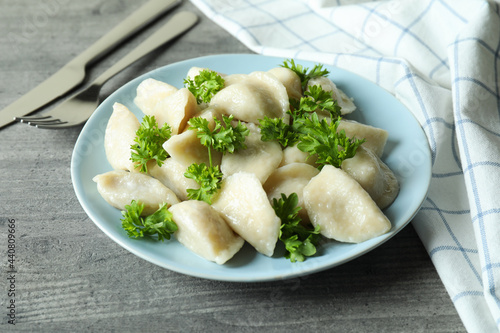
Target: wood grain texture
73 278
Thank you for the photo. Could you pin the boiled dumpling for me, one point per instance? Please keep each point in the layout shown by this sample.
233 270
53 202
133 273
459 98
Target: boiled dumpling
204 231
290 80
175 110
171 174
186 146
246 208
150 92
234 78
258 95
342 209
120 187
288 179
119 136
373 175
260 157
375 137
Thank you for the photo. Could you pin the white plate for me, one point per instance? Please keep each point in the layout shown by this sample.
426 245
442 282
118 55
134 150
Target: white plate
407 154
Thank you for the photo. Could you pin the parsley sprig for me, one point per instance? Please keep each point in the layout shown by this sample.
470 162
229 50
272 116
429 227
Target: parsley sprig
223 138
149 139
277 129
159 223
300 242
313 136
286 133
313 100
303 72
205 85
209 178
322 138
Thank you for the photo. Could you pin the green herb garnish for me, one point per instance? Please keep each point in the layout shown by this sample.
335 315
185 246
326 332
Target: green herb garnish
149 139
205 85
223 138
300 242
159 223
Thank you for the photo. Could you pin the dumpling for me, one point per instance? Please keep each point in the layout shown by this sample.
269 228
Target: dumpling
290 80
258 95
120 187
175 110
375 137
342 209
149 92
260 157
246 208
187 149
373 175
288 179
171 174
345 102
186 146
234 78
119 136
204 231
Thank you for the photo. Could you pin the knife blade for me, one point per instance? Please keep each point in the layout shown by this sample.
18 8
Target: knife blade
74 72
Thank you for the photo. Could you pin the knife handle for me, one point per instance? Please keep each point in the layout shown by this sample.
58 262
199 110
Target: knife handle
178 24
138 19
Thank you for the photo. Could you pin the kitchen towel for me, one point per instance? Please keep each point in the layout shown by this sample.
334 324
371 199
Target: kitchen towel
441 59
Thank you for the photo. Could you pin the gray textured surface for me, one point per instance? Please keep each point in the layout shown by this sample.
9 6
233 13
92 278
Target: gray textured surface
73 278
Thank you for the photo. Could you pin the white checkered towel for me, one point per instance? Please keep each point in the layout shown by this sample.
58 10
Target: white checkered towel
441 59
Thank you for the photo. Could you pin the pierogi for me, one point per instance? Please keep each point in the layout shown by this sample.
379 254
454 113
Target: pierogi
346 203
119 136
342 209
204 231
119 188
245 205
253 97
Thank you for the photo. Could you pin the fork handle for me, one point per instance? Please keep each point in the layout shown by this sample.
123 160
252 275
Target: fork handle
178 24
131 24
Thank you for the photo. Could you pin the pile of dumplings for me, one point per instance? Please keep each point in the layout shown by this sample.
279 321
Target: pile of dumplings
345 202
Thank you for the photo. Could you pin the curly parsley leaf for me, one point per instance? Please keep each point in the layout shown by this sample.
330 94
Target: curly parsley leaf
303 72
300 242
209 179
159 223
314 99
323 139
223 138
277 129
205 85
149 139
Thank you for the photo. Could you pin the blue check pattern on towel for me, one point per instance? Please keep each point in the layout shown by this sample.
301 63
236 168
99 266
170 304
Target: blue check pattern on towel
441 59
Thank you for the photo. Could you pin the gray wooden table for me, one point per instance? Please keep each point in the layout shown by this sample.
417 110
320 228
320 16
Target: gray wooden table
70 277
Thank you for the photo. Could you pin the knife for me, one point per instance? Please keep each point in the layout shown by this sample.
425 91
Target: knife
73 73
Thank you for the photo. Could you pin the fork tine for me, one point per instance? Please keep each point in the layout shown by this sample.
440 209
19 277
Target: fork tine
26 119
46 122
57 126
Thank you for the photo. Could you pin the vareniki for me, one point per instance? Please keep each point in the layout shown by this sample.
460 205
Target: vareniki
223 157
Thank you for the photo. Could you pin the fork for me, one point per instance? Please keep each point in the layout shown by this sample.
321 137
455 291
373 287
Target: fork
79 107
